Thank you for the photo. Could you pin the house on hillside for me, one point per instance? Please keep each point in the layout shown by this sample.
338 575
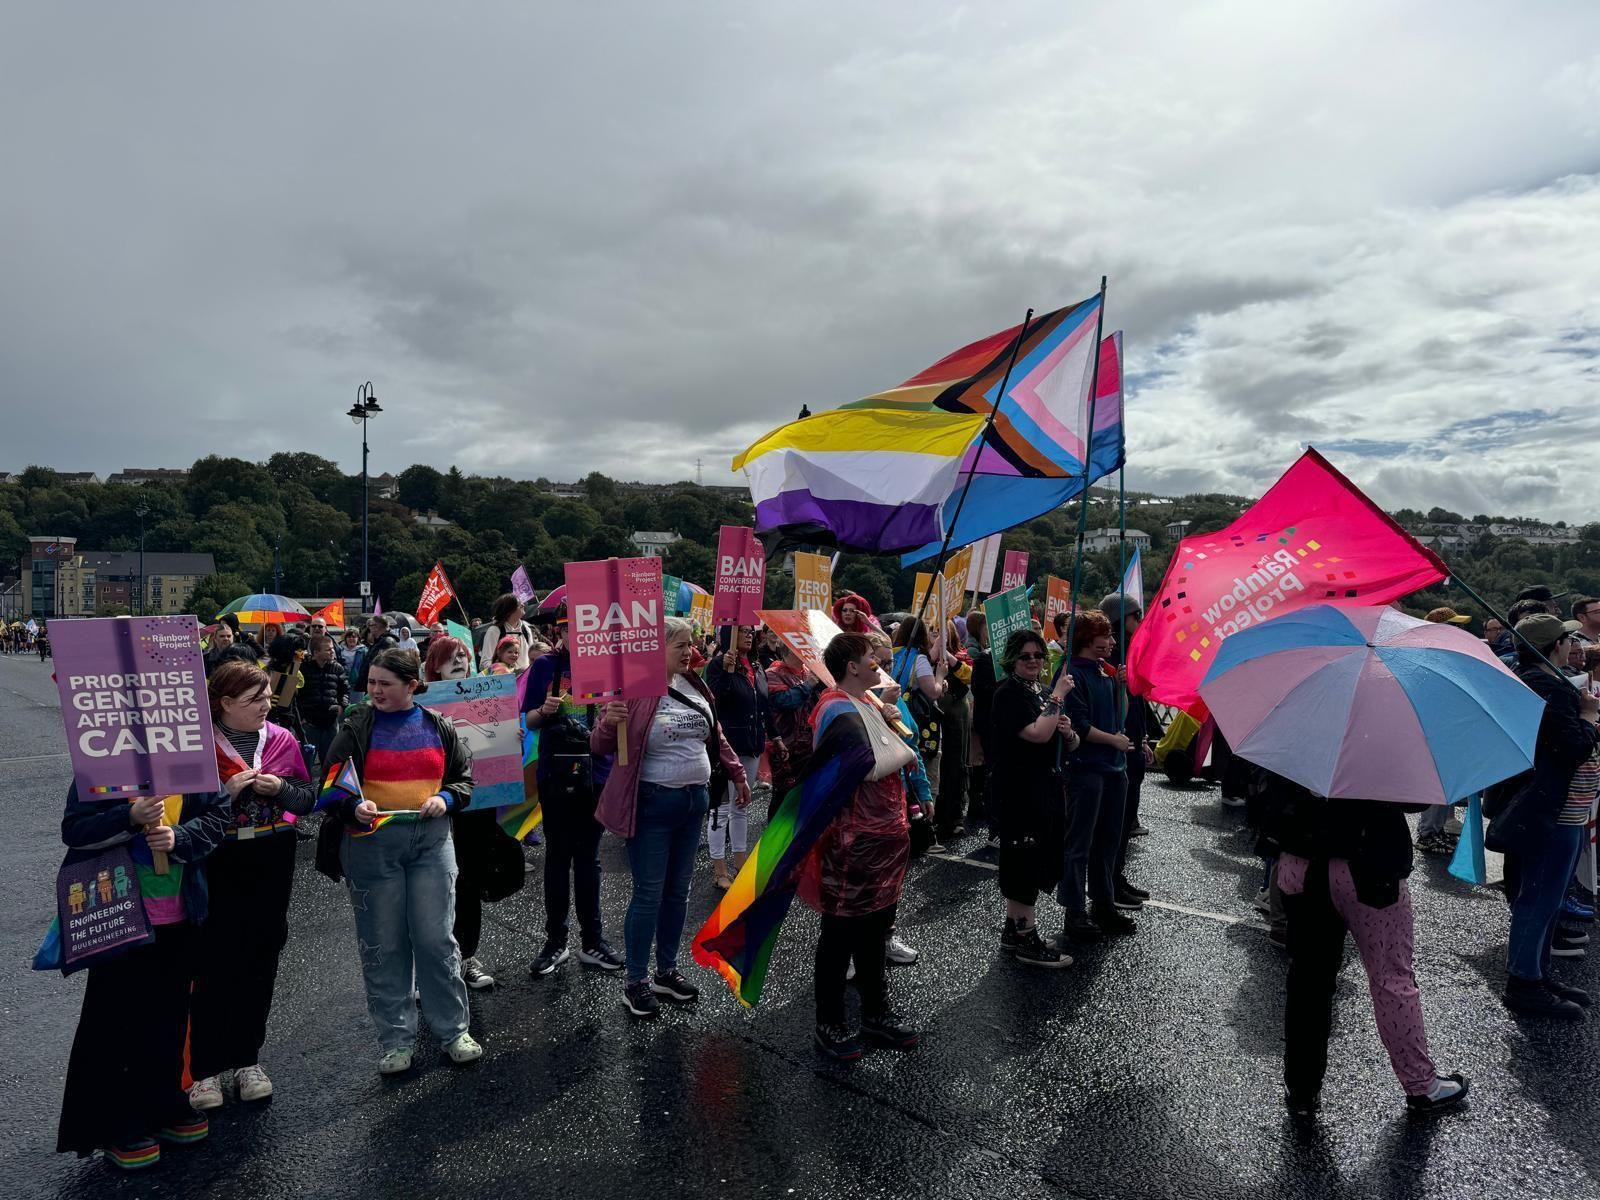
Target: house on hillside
135 476
1108 539
651 544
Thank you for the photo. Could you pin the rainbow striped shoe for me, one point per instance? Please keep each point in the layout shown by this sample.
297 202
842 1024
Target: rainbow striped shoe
186 1131
146 1152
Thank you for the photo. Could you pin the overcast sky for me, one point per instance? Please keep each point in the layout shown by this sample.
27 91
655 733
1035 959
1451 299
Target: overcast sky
619 237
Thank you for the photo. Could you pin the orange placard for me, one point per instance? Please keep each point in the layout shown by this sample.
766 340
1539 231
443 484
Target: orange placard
1057 597
813 582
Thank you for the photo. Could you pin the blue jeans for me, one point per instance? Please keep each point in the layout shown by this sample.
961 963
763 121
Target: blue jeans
1093 840
402 882
1541 887
661 852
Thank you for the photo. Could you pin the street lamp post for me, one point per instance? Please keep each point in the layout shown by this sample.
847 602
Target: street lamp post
141 512
363 410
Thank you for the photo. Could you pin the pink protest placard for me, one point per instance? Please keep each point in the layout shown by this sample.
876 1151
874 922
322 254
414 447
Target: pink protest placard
1014 573
616 629
133 699
741 577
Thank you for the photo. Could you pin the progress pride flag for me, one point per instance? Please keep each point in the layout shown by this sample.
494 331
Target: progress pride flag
616 629
1314 538
741 577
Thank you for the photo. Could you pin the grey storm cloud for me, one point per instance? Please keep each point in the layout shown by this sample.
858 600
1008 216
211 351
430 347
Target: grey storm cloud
562 239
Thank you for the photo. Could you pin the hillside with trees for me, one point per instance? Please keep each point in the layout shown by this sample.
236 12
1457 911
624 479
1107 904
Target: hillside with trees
306 511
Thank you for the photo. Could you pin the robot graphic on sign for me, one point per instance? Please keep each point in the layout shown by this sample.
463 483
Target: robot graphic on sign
103 883
75 897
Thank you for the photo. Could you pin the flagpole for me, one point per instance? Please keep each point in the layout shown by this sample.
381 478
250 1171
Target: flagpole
972 471
1122 582
1495 613
1083 497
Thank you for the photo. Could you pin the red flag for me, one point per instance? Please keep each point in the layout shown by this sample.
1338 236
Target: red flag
331 614
1314 538
436 594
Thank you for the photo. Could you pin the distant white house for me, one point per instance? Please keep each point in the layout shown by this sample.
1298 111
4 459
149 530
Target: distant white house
1108 539
652 544
431 520
1178 530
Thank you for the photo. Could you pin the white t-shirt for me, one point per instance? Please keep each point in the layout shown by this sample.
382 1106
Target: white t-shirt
675 748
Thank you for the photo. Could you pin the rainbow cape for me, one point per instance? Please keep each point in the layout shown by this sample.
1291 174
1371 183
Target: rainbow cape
737 939
519 820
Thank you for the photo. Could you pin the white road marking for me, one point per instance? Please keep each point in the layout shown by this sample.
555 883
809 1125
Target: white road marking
33 757
1177 908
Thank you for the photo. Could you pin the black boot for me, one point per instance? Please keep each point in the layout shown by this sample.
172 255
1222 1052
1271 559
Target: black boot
1567 992
1530 998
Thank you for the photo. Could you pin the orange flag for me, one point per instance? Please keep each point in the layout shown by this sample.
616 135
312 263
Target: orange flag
331 614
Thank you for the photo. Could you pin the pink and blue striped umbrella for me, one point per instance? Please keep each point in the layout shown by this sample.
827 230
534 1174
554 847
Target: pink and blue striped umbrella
1369 703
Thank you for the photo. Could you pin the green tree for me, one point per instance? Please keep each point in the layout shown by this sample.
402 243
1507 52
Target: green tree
421 488
213 593
316 474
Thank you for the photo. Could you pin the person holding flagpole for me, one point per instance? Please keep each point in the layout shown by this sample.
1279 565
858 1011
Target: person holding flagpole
1097 785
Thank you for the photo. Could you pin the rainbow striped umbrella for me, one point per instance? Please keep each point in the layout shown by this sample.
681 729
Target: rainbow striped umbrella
263 608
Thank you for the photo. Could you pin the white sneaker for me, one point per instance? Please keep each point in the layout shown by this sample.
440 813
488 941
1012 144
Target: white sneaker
464 1049
206 1093
1262 903
900 954
396 1061
253 1083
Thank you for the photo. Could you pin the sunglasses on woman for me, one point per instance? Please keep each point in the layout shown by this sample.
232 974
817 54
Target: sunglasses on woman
1034 657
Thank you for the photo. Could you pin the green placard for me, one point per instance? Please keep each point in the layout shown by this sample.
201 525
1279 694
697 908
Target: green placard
671 585
1005 614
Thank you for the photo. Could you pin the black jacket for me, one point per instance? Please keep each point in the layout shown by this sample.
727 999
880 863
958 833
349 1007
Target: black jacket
742 705
1372 836
355 735
321 698
387 642
1523 810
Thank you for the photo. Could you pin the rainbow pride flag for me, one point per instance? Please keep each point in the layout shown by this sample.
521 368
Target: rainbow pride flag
519 820
738 937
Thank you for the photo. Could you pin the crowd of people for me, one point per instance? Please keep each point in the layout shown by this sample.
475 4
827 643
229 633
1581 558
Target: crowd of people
1040 745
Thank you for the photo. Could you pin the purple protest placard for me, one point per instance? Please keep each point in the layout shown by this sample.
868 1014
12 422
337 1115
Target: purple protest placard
99 907
133 699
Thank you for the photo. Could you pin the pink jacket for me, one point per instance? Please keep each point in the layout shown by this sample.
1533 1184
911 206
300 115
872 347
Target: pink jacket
618 809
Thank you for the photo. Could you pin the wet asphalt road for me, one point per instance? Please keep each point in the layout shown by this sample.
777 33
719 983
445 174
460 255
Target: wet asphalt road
1150 1069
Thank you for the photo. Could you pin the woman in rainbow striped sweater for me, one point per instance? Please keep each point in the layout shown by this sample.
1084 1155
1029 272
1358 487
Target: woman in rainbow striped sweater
399 863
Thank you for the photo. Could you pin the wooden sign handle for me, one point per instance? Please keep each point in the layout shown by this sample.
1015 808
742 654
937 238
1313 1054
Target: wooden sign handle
622 742
158 858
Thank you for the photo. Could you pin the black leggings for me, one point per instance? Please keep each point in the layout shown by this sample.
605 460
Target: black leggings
864 939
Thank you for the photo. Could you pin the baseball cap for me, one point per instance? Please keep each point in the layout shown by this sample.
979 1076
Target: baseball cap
1541 630
1447 616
